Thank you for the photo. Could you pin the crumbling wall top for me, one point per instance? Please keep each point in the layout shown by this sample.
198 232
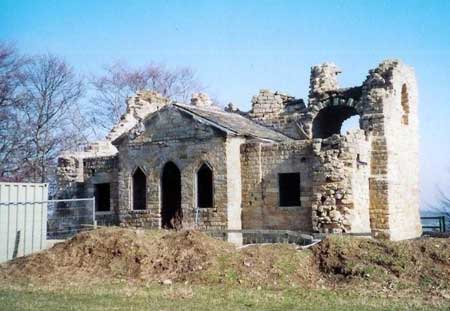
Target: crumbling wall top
201 100
138 107
323 78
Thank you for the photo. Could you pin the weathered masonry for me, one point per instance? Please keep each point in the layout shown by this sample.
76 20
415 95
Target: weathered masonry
282 165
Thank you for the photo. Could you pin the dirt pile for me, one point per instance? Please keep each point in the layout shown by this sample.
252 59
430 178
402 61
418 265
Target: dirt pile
422 262
163 256
169 256
114 252
276 265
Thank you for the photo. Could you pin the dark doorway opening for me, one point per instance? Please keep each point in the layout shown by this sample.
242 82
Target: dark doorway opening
329 120
139 190
171 213
102 197
289 189
205 186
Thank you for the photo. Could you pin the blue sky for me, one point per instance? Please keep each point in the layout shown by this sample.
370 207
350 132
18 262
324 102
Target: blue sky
239 47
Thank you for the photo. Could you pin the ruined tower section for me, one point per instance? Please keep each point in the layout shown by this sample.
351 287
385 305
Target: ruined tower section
390 97
278 111
340 162
365 180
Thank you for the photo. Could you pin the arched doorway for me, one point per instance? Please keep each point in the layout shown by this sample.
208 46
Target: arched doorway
171 213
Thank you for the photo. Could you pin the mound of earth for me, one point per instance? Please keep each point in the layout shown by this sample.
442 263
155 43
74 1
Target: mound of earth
274 265
154 255
415 263
114 252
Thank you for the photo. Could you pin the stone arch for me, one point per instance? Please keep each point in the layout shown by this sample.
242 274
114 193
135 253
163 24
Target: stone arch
205 185
405 105
139 189
329 120
162 162
171 212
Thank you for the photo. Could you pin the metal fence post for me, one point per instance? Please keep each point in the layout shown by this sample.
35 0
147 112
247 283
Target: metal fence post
196 216
94 221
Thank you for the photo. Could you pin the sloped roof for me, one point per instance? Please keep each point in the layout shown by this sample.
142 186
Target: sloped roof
232 122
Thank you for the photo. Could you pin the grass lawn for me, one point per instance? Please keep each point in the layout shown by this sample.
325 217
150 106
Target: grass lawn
122 296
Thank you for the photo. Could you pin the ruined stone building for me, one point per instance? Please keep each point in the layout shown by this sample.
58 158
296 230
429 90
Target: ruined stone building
282 165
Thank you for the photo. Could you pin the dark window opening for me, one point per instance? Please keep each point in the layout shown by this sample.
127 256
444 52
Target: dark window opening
329 120
205 186
171 213
289 189
102 197
139 190
405 105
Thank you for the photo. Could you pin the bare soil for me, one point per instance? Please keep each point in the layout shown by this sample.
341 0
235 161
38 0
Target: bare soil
193 257
415 264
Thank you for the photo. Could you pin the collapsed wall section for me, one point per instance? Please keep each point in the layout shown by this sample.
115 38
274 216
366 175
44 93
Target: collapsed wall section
70 171
278 111
340 187
138 107
98 172
387 106
92 174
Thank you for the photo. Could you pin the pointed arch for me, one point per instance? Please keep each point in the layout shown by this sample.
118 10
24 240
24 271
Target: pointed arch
205 186
139 186
171 213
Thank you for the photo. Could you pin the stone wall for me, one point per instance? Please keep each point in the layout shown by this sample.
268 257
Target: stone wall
390 125
277 110
323 79
366 180
340 187
70 170
234 188
173 136
90 171
391 91
260 164
334 185
102 170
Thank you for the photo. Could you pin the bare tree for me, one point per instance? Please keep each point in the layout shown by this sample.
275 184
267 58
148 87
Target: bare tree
443 205
50 91
11 64
40 113
120 81
11 137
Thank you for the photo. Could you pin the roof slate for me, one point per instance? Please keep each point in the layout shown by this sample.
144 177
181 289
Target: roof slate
233 122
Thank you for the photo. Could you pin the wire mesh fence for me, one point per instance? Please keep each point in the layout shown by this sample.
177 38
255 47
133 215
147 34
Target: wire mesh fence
68 217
